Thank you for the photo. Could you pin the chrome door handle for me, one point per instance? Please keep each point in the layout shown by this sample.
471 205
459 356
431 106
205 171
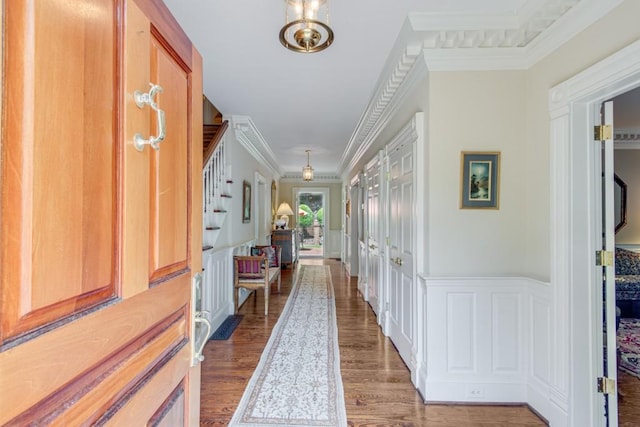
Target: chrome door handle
143 99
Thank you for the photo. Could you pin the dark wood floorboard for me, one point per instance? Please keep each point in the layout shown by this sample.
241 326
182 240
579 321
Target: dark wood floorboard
377 384
629 403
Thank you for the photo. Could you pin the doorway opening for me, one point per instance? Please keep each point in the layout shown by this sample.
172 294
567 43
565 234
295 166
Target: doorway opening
311 222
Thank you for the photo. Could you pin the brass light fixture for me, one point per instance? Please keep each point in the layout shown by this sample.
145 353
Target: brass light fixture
307 171
306 27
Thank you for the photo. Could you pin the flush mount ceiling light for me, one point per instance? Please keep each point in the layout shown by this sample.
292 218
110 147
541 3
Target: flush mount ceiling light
307 171
306 26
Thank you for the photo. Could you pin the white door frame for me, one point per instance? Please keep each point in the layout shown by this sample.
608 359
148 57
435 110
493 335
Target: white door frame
262 210
574 180
327 211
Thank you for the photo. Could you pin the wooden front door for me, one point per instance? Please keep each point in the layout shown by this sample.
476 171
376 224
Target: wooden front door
100 241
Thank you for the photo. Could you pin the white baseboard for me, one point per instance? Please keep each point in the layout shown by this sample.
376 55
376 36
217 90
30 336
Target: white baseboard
485 393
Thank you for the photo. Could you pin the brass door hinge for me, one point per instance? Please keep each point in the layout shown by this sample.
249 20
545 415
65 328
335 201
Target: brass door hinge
602 132
604 258
606 385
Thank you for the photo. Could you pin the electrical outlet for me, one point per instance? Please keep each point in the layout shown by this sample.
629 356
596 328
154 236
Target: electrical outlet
475 392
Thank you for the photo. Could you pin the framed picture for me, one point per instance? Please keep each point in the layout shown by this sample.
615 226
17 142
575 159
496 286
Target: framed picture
246 201
480 180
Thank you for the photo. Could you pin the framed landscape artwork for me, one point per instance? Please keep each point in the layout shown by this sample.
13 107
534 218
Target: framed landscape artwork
480 180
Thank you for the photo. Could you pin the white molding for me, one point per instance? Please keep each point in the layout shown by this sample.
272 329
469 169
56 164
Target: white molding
402 72
574 207
252 140
317 177
626 138
439 42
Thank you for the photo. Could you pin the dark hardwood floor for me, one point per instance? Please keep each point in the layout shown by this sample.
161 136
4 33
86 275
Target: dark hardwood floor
377 384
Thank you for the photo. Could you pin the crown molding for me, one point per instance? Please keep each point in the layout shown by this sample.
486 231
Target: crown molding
627 138
252 140
398 78
473 42
317 177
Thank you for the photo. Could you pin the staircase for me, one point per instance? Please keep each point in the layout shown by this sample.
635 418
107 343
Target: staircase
216 182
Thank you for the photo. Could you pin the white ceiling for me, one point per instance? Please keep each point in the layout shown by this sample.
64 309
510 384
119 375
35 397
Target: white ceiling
314 101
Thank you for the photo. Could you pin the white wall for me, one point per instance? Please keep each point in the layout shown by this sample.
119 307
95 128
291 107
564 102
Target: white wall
244 166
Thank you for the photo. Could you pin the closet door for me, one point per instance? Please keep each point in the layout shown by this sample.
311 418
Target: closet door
100 240
401 247
373 235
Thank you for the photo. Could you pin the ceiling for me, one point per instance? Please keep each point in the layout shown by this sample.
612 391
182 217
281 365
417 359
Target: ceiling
314 101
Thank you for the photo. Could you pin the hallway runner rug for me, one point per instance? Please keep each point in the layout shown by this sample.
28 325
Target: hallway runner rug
629 346
297 381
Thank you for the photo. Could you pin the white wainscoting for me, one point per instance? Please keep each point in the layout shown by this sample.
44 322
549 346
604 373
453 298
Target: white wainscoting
217 290
217 282
487 340
333 246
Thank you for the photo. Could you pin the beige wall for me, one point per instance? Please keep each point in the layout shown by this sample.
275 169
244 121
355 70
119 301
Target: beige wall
605 37
285 194
476 111
627 168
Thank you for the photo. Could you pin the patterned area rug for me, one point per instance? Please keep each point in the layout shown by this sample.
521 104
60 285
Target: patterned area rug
629 346
297 381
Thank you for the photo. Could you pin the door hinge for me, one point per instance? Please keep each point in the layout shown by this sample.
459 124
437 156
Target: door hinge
602 132
604 258
606 385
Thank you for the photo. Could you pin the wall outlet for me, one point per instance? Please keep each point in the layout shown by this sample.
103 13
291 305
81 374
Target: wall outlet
475 392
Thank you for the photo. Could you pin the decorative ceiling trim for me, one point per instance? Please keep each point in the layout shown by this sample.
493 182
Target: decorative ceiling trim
628 138
252 140
444 42
317 177
476 42
398 78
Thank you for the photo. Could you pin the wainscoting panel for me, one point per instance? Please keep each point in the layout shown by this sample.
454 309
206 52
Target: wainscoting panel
506 352
332 246
486 340
217 286
461 333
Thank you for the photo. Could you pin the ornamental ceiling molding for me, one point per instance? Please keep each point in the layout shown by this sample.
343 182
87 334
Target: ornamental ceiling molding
444 42
252 140
317 177
626 138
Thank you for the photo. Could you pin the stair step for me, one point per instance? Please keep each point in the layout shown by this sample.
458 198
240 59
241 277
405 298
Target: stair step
226 196
229 181
206 248
219 211
213 228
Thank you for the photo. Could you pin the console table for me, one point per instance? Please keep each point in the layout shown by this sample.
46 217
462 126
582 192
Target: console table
288 242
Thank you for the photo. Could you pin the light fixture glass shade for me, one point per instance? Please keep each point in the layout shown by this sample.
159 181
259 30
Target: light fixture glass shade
306 27
307 171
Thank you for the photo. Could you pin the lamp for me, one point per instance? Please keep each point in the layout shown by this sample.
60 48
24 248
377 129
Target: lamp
306 26
307 171
284 210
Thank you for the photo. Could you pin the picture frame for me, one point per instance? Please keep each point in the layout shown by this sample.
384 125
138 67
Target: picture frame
480 180
246 202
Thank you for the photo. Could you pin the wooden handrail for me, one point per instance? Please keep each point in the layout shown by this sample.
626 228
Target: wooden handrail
213 133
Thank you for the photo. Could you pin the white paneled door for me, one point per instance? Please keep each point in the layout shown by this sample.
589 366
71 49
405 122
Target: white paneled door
373 235
400 295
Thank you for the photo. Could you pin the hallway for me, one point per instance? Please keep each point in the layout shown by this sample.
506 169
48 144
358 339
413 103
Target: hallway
377 385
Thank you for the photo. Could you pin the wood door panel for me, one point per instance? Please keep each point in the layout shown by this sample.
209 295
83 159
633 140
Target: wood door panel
87 220
169 166
65 360
59 162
